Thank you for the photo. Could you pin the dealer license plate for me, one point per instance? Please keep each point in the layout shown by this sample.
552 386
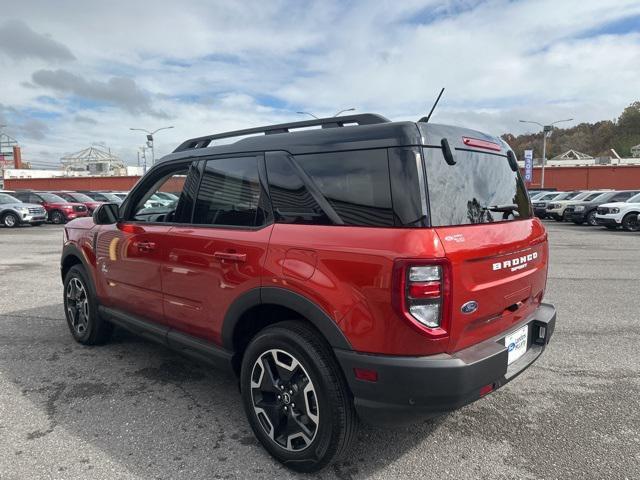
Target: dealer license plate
516 343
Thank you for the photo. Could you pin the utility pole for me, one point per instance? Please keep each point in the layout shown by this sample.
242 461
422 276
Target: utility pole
546 132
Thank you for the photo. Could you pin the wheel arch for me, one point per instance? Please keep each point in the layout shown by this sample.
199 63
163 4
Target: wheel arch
71 255
261 307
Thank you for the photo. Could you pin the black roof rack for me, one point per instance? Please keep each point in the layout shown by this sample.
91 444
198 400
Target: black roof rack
330 122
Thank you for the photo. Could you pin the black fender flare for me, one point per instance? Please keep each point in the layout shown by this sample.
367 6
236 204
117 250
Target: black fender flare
71 250
284 298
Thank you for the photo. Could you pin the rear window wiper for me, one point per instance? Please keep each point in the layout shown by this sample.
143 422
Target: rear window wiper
508 207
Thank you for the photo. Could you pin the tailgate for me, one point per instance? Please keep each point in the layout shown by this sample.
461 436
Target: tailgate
502 267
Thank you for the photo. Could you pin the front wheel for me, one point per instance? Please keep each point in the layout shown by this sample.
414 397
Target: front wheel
81 309
10 220
57 217
295 397
591 218
630 222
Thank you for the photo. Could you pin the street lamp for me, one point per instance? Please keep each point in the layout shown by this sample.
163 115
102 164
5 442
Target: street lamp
546 132
307 113
150 139
345 110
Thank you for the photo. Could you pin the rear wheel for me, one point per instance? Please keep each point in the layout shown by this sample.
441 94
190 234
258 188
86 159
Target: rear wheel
630 222
10 220
57 217
81 309
296 398
591 218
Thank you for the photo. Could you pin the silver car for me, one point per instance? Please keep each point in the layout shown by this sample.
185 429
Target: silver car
14 213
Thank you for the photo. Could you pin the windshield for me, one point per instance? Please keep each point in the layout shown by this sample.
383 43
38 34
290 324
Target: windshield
479 188
111 197
581 196
551 196
51 198
4 198
593 196
571 195
80 197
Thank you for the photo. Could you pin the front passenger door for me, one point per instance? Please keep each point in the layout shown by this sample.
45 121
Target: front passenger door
129 254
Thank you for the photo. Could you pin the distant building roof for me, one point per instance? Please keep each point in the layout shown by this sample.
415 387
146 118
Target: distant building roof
572 155
94 160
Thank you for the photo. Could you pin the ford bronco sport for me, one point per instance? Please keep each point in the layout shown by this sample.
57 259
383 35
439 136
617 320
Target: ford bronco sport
343 268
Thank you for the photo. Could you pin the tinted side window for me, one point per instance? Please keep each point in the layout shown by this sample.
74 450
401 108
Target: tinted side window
292 202
356 184
229 193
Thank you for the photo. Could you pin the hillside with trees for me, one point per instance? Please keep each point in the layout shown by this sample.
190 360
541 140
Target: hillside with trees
595 139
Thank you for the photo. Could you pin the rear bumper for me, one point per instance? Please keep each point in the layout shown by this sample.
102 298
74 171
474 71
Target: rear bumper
411 387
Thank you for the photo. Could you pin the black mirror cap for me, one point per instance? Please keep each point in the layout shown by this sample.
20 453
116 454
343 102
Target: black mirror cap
106 214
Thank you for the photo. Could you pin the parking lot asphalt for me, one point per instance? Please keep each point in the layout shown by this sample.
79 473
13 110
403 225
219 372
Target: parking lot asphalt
134 410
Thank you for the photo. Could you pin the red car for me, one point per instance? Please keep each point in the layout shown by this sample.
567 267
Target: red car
386 271
77 197
58 209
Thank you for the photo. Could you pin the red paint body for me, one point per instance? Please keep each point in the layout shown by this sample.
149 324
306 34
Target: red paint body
187 277
69 213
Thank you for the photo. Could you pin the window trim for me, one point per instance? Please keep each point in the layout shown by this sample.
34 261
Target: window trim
200 162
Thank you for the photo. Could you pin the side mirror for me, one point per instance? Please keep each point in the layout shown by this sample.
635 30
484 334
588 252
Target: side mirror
106 214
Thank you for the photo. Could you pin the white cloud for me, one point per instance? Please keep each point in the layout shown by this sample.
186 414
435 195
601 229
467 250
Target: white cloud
214 66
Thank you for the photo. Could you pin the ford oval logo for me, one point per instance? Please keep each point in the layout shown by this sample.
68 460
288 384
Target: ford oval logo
469 307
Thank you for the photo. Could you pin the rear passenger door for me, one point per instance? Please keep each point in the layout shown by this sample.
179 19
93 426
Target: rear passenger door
220 254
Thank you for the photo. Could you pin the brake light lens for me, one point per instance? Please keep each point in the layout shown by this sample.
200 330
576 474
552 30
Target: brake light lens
421 293
477 143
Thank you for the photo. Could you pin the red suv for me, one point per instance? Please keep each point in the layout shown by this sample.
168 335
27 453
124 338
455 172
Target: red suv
77 197
368 269
58 209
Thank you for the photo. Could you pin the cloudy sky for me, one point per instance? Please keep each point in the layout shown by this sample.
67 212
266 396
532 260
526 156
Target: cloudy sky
73 73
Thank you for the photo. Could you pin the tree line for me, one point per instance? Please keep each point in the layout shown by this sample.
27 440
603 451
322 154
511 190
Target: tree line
596 139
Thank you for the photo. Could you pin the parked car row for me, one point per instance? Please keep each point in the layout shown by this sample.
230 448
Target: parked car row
612 209
22 207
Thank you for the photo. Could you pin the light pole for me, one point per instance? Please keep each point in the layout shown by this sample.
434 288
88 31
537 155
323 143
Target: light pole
150 140
307 113
345 110
546 132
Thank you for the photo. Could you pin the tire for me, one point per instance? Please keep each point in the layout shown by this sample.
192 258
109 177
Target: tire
57 217
11 220
630 222
565 216
306 372
81 309
591 218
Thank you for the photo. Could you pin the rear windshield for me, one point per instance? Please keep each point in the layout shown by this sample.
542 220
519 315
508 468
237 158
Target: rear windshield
479 188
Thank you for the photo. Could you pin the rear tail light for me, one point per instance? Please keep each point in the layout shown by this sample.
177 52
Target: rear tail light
421 294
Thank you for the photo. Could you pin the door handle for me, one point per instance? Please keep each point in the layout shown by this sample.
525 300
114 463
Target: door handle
230 256
145 246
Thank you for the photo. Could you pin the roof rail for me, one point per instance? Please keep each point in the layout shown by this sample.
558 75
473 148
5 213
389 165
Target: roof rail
330 122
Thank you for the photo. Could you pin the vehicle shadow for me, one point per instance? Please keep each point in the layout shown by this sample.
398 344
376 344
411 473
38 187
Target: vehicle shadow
152 412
